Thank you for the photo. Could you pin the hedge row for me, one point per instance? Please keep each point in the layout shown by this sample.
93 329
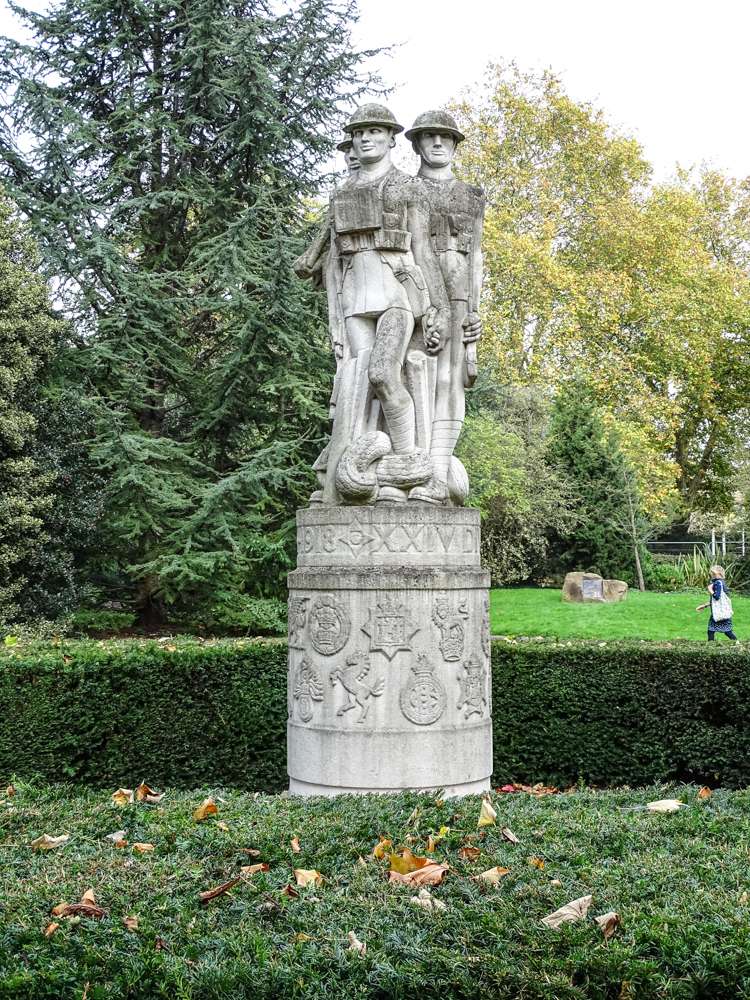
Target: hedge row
111 714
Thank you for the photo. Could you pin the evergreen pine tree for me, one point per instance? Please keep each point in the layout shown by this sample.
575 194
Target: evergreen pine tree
162 152
591 462
28 337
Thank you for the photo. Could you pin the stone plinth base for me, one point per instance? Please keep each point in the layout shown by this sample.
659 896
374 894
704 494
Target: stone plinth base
389 672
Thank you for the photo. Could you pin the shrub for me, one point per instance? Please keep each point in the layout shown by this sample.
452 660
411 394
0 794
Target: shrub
242 614
189 713
103 620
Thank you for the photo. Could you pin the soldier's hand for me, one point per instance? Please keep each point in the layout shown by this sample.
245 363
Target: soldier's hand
338 350
432 330
302 268
472 328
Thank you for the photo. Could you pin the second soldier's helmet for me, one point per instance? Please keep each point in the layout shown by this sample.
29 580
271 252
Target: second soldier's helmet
373 114
435 121
345 145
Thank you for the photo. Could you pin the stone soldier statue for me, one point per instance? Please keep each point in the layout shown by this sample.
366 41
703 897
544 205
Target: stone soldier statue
391 280
321 264
456 218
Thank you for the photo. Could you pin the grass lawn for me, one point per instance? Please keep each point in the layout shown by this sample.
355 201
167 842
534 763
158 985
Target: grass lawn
530 611
679 882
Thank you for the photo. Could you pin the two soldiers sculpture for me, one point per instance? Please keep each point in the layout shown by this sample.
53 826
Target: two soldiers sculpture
389 603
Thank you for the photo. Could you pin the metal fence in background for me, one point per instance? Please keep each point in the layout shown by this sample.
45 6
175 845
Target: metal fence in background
718 544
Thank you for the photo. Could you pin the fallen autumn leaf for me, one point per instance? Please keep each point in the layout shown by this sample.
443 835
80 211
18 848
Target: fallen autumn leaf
576 909
493 875
123 797
427 901
487 814
209 894
48 843
207 808
307 876
665 805
355 944
608 923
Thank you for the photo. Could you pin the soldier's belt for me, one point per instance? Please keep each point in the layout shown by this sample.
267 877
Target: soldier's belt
381 239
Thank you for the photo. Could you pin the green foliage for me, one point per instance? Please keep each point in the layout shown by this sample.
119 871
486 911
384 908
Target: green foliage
589 459
28 336
693 571
676 881
243 614
587 266
621 713
103 713
163 159
613 714
522 498
87 620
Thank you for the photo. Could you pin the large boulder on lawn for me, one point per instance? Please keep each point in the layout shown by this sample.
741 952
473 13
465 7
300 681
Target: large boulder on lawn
590 587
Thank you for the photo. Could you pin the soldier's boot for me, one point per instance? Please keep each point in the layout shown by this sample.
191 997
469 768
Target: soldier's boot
445 434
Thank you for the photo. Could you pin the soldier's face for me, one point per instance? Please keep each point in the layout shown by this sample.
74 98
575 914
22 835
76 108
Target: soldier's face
352 161
371 143
436 148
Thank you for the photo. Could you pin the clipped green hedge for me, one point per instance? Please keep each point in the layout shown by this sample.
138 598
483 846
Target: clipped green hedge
196 714
622 713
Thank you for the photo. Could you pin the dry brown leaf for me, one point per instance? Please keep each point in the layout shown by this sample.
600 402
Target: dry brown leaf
576 909
608 923
294 843
48 843
159 944
665 806
143 848
307 876
89 898
430 874
144 793
131 923
252 869
170 648
58 910
536 863
426 901
123 797
205 809
744 898
555 881
117 837
221 825
209 894
355 944
487 814
469 853
705 793
382 847
290 891
50 929
301 937
83 910
493 875
10 791
251 852
509 835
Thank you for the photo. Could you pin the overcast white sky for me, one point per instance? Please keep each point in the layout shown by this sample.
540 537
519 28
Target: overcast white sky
673 73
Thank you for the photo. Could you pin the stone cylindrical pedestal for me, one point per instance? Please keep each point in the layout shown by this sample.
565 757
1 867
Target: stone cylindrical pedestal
389 682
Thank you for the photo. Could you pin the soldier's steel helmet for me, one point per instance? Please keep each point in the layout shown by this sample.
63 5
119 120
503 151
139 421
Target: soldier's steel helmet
435 121
345 145
373 114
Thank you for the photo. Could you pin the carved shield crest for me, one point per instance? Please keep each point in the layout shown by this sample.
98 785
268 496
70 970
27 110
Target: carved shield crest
329 625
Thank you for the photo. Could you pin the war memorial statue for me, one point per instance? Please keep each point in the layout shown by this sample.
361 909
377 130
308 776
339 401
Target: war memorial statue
389 669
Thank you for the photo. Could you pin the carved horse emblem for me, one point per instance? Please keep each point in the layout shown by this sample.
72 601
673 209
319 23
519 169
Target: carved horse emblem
353 678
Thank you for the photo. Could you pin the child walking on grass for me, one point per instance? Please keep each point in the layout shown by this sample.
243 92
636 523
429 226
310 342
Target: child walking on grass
721 606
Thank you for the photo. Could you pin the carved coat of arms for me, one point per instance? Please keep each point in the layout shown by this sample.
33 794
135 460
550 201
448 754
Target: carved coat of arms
486 626
389 628
307 689
450 618
328 624
354 679
297 615
423 697
472 683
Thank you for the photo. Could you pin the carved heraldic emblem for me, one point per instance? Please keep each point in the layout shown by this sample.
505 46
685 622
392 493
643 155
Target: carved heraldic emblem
389 628
450 618
329 625
423 697
353 678
472 697
307 689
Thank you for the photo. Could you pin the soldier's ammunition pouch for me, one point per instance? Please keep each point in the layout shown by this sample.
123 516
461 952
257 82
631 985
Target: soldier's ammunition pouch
380 239
452 232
